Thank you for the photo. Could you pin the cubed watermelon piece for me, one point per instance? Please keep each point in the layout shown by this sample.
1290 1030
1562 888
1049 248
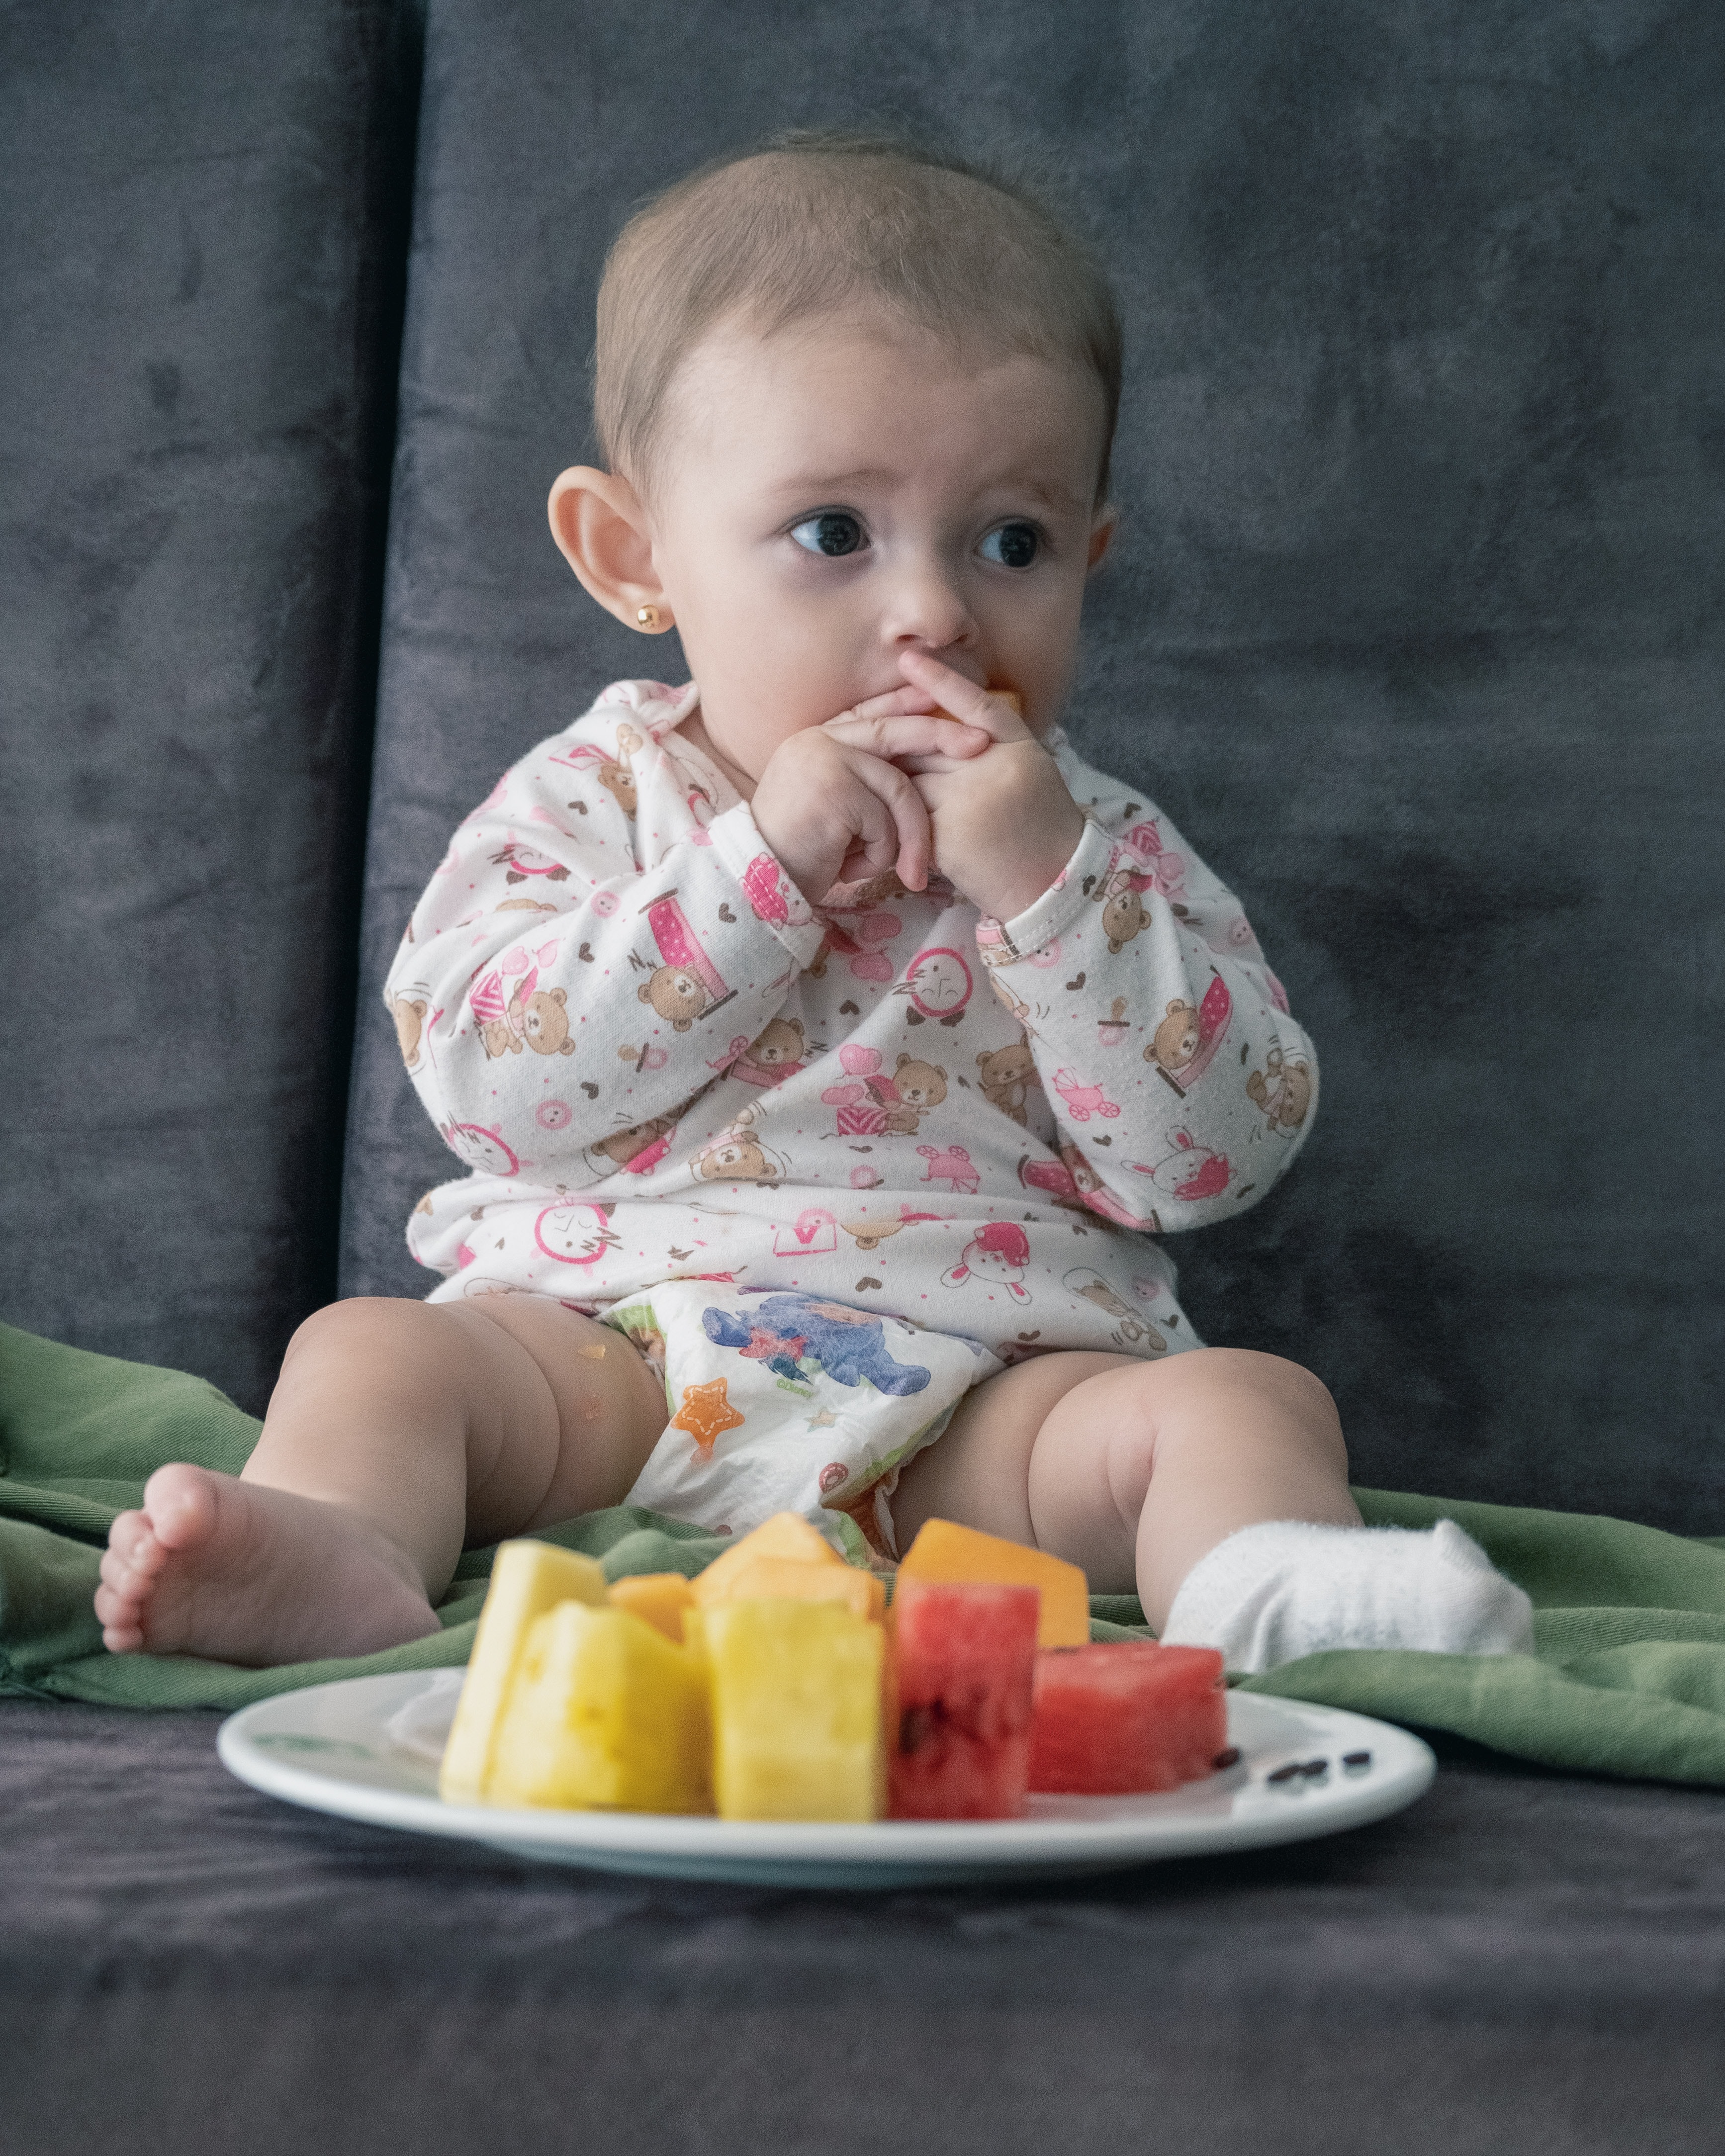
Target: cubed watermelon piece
965 1659
1127 1716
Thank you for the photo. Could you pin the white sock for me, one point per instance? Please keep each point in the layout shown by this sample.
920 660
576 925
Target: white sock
1271 1593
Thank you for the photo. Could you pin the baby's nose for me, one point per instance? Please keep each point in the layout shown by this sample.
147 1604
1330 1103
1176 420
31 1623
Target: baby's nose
926 607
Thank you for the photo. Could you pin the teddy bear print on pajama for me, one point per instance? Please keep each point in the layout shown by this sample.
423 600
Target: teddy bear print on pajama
661 1065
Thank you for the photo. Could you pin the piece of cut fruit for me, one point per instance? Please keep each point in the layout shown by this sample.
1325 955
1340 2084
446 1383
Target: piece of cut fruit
658 1597
603 1711
943 1550
791 1578
796 1702
527 1578
786 1534
1126 1716
964 1658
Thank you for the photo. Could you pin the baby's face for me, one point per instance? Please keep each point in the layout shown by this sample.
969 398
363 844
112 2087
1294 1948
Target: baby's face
849 489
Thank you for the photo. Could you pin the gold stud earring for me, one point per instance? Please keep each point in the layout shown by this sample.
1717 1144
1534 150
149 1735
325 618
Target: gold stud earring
647 618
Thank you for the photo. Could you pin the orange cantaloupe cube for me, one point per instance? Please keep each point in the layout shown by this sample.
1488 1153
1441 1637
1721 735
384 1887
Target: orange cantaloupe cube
658 1598
786 1534
944 1551
794 1580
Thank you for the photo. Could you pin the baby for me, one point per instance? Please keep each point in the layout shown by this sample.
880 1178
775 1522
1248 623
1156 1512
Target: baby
826 1040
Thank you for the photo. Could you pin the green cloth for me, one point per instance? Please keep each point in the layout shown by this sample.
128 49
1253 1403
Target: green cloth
1628 1676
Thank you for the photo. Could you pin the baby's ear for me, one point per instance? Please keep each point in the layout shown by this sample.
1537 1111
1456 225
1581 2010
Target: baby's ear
604 532
1103 527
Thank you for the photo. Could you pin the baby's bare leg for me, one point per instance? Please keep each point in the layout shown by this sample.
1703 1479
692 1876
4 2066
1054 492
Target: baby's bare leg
398 1432
1134 1470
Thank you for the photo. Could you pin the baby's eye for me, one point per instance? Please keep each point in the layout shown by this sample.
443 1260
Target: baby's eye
834 532
1014 546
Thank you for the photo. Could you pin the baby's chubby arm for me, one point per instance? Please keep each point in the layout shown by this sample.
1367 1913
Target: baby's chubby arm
1183 1086
553 993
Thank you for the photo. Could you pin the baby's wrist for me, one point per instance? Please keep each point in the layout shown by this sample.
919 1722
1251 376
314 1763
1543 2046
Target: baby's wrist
1013 887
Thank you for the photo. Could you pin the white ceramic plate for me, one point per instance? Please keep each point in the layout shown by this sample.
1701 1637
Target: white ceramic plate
366 1748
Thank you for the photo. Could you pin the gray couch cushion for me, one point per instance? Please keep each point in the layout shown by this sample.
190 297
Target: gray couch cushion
195 255
1521 1962
1413 627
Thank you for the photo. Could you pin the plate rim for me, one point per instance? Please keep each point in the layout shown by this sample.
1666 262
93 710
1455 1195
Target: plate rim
972 1847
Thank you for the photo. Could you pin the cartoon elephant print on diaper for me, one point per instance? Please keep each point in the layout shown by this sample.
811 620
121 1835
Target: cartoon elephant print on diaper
789 1333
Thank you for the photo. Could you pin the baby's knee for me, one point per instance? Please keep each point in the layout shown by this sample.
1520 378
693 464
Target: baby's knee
372 1332
1218 1380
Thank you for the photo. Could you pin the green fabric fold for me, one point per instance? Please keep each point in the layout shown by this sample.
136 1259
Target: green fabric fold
1627 1678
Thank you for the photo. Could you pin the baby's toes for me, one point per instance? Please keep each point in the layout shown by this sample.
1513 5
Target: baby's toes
180 1503
132 1541
119 1573
120 1616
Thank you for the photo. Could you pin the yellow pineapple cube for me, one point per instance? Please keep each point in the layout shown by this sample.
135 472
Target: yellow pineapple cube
786 1534
796 1692
527 1578
659 1597
790 1578
603 1711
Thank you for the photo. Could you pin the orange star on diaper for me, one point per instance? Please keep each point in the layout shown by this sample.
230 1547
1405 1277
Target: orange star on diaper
706 1413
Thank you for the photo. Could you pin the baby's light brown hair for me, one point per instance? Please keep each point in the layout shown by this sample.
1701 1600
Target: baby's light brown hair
814 222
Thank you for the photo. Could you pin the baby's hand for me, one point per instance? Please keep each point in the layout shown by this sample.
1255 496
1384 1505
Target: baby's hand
1004 824
836 807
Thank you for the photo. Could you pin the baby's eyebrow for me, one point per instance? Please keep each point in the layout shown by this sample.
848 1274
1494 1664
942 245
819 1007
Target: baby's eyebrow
815 485
1049 492
812 484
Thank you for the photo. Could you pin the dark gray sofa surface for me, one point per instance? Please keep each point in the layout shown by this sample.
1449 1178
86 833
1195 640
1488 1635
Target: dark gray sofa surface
1415 629
1523 1963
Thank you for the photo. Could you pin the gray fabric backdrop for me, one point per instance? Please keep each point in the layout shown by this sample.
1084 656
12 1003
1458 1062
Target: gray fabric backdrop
196 247
1415 627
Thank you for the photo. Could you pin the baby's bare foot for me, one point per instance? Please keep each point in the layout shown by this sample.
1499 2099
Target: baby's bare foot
240 1573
